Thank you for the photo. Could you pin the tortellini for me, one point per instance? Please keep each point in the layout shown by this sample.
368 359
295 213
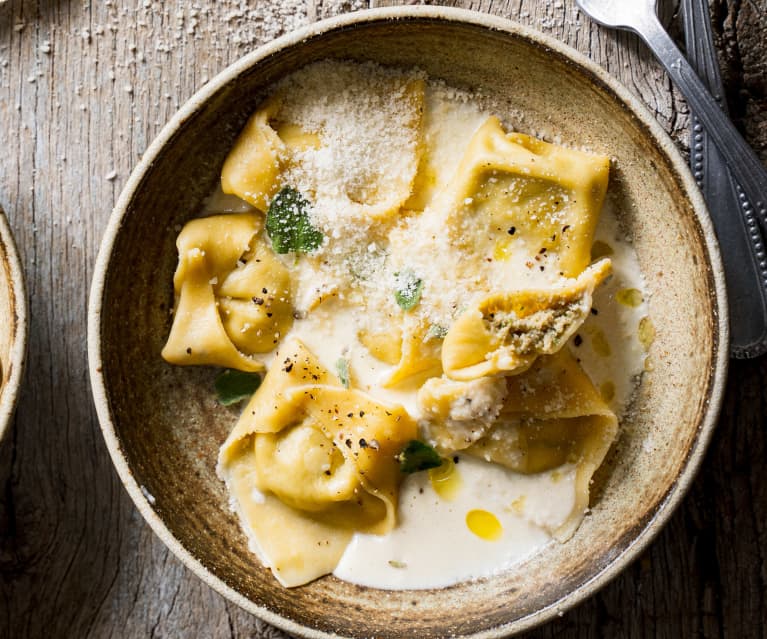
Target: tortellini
318 454
233 296
252 169
548 416
508 331
274 150
253 165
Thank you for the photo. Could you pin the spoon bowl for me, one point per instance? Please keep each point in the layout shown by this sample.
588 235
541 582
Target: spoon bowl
618 14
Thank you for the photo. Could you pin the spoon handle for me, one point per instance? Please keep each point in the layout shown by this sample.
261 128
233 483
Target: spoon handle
743 250
744 165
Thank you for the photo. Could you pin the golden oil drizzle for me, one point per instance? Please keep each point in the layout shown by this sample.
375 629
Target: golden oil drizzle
446 480
646 332
502 249
600 344
600 249
484 524
631 297
607 390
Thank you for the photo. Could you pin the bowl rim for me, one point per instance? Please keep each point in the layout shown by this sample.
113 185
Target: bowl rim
17 355
447 15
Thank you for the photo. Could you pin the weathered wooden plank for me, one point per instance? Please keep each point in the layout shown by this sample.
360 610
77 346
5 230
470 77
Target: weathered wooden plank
84 88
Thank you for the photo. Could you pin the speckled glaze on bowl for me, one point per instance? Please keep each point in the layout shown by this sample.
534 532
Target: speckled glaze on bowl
163 426
13 324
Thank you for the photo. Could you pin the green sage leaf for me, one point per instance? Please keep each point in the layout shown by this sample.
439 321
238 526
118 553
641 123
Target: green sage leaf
409 288
418 456
233 386
288 223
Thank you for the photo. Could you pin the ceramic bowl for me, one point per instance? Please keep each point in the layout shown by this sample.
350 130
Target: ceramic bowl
163 426
13 324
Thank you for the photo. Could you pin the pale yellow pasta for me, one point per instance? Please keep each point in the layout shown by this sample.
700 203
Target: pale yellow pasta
252 168
233 297
255 301
533 197
419 355
253 165
270 144
325 460
507 331
385 345
550 415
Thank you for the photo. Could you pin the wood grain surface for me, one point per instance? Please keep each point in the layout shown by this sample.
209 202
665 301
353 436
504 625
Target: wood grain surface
85 85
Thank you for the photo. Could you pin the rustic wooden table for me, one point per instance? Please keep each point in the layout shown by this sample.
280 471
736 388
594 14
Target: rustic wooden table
85 85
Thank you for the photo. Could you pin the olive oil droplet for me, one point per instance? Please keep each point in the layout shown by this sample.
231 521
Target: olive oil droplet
600 249
446 480
646 332
600 344
607 391
502 250
484 525
630 297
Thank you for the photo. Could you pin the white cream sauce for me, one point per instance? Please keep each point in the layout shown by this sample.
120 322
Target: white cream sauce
616 323
421 552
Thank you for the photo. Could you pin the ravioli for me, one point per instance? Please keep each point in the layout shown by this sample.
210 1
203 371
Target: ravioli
322 460
508 331
548 416
531 197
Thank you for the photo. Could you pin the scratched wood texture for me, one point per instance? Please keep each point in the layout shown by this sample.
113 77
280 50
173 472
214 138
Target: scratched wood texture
85 85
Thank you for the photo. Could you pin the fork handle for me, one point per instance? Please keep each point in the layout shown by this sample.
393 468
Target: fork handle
744 165
743 251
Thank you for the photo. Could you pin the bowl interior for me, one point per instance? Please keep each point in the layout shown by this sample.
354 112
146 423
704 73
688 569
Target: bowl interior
12 323
169 426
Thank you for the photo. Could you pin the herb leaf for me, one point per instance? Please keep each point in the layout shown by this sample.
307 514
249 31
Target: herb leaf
436 331
418 456
409 288
342 369
233 386
288 224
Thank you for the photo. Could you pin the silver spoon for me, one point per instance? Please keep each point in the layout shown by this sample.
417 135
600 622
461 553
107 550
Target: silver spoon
639 16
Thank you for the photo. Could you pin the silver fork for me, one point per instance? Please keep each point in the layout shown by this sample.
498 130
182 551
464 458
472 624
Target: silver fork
743 251
639 16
